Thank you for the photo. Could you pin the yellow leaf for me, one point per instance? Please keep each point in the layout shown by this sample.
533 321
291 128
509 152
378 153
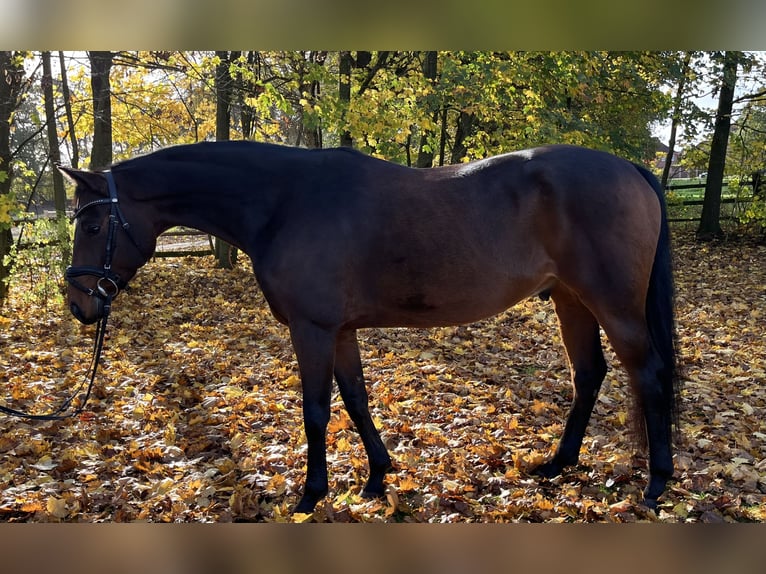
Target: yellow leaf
544 503
339 423
277 484
539 407
681 510
31 506
407 484
292 381
57 507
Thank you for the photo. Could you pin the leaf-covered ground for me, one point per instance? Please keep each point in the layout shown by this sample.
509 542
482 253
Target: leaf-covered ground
196 414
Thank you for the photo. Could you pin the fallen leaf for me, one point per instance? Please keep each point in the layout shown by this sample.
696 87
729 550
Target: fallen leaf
57 507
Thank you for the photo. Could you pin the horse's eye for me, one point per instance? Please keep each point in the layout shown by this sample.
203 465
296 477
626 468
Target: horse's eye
92 229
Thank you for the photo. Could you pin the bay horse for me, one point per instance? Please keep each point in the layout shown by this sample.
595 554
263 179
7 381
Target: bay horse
341 241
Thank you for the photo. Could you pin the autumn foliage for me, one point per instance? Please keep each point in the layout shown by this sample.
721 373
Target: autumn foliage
196 415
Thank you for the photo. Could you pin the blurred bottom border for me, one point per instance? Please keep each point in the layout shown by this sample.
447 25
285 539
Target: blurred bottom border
374 549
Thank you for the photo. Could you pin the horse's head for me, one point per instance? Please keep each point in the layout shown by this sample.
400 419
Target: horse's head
111 241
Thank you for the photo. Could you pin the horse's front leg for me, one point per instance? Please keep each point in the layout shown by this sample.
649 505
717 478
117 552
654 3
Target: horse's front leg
315 350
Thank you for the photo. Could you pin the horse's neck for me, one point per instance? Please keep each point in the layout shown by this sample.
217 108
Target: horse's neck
231 204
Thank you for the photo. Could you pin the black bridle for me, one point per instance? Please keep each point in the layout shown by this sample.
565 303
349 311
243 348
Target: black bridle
107 287
109 284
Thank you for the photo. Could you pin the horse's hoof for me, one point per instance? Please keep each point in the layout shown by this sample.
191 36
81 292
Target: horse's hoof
304 507
373 493
654 490
651 503
548 469
307 503
375 487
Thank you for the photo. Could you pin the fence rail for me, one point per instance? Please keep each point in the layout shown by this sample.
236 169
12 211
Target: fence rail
682 205
168 246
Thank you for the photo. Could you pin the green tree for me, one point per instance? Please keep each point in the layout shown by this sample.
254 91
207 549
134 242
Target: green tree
345 65
746 156
680 97
710 220
308 67
12 87
427 136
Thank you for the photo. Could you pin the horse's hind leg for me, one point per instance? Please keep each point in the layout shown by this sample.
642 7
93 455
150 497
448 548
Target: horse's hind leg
348 373
580 333
631 342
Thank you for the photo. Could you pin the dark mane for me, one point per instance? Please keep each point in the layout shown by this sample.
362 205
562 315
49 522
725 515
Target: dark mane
231 152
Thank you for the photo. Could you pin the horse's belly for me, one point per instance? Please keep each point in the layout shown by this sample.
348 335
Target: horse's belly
454 307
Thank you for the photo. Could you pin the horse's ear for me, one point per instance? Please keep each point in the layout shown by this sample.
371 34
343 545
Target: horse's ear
90 179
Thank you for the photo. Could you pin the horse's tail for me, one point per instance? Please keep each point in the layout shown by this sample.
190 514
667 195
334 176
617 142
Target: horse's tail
660 308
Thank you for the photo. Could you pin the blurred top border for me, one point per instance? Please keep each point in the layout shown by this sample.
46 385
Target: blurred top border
346 24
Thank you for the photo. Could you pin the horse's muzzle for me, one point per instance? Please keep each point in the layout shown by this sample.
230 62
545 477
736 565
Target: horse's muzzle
88 319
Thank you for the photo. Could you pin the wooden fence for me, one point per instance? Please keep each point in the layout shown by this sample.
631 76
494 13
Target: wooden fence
687 215
168 243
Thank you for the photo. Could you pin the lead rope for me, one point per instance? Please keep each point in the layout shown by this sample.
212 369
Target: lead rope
59 413
115 219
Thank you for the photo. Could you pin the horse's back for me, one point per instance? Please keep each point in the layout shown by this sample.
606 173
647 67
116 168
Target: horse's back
385 245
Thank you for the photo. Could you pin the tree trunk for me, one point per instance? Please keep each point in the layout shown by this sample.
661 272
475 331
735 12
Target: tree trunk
100 66
676 118
312 134
426 153
757 184
222 98
710 222
6 242
59 191
344 95
11 81
243 89
69 116
464 127
225 254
